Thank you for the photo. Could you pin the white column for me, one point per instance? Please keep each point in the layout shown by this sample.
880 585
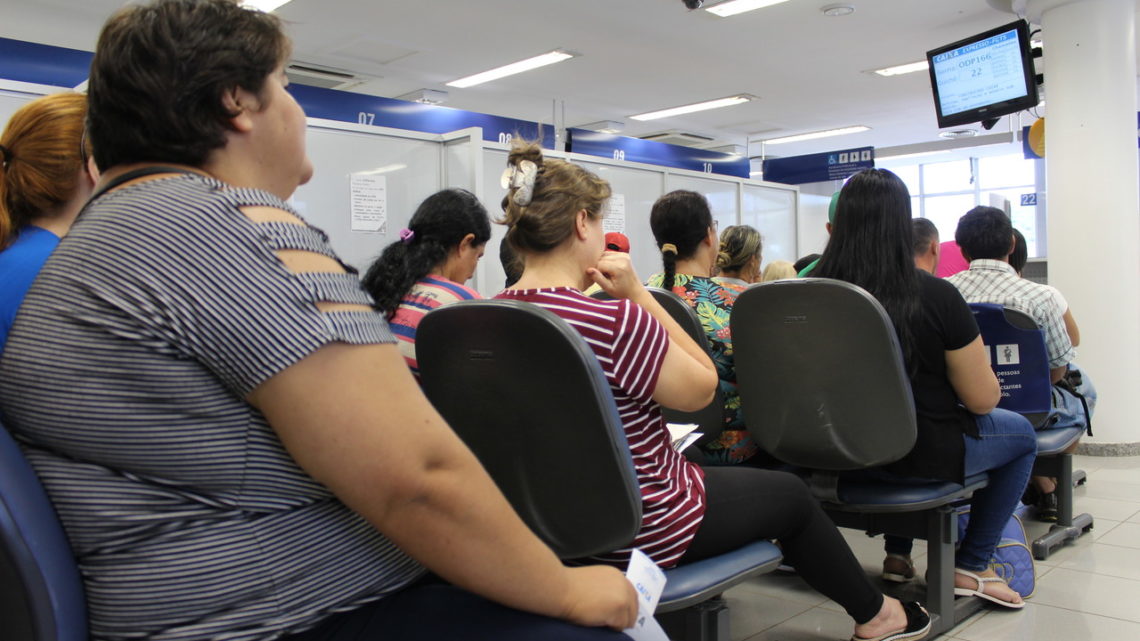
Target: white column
1091 184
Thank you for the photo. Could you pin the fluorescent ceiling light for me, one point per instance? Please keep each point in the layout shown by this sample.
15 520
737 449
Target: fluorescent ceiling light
899 70
733 7
511 69
264 5
700 106
817 134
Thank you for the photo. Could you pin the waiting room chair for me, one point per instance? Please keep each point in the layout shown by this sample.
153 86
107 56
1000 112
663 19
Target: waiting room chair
1020 360
710 420
41 594
823 383
527 395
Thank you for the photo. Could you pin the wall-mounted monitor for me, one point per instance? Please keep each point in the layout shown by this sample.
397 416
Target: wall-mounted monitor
984 76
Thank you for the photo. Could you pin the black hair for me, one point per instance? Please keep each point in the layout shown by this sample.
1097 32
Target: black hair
440 223
871 246
984 232
680 220
512 265
1020 254
924 233
160 71
805 261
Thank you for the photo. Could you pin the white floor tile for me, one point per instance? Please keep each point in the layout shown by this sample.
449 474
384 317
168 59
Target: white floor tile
1091 593
1124 535
781 585
1113 509
1101 558
750 613
816 624
1043 623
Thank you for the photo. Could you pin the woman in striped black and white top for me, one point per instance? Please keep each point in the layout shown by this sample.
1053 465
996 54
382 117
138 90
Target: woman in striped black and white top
554 213
218 415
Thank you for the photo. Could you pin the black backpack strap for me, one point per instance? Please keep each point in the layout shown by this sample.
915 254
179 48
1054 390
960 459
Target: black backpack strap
133 175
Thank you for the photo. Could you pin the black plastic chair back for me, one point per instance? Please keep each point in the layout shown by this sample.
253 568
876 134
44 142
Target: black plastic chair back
821 375
710 419
41 594
527 395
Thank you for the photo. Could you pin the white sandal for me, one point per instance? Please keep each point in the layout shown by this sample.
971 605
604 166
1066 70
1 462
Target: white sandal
980 591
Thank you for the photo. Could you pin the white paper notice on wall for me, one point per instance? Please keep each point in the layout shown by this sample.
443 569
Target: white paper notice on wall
615 214
369 207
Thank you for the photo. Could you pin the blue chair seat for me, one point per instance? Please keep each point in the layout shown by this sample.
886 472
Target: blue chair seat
1055 441
695 582
860 495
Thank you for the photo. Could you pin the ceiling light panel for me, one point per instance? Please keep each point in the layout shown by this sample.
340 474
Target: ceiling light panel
511 69
700 106
817 134
734 7
899 70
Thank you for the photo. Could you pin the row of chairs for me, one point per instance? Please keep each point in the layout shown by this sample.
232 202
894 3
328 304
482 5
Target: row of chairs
547 430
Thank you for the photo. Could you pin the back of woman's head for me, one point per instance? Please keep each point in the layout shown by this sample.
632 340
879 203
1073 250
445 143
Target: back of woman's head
778 270
544 197
1020 254
438 226
41 159
738 245
680 220
160 71
871 245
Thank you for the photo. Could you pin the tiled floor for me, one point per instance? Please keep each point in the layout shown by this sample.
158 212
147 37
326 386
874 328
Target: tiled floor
1088 590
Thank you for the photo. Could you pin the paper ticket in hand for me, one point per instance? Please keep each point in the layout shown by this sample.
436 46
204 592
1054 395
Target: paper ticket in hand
649 581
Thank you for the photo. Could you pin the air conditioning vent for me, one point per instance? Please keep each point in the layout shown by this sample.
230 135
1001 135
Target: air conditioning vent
304 73
676 137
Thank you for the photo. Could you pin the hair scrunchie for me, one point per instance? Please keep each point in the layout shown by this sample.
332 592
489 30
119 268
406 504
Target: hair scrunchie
406 236
668 247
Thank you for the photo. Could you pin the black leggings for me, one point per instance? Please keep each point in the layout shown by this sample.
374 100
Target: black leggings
749 504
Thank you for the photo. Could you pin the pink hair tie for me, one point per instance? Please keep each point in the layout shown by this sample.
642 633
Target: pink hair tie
406 236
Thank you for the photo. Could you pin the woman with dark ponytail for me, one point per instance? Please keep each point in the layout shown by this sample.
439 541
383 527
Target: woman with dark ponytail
683 226
427 267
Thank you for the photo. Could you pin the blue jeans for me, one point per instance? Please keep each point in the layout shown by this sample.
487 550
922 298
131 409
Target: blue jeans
1005 449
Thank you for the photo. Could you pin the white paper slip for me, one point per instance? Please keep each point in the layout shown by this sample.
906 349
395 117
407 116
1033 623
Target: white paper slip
649 581
681 435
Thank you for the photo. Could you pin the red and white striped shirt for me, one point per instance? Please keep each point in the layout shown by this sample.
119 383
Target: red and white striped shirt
630 345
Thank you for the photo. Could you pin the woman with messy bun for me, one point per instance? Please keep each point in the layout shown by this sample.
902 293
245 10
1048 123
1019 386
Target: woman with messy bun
554 212
686 234
738 259
427 267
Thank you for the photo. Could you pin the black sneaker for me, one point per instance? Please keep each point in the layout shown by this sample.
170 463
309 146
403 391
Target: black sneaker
1047 507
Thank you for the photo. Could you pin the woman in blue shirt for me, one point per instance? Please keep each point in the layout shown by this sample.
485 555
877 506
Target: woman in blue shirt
44 181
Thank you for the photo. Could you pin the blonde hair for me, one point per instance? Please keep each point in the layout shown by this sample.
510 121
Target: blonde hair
738 244
42 156
560 190
778 270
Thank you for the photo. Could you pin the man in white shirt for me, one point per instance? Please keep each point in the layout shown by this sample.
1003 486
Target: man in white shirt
985 236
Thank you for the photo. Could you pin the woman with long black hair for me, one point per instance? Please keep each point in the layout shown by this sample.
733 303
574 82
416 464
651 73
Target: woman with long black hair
426 268
960 431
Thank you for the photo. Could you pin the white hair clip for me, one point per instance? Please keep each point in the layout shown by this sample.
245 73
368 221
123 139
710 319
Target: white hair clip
521 178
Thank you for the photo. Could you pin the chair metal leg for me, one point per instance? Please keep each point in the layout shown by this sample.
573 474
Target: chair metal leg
1068 527
945 611
706 621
